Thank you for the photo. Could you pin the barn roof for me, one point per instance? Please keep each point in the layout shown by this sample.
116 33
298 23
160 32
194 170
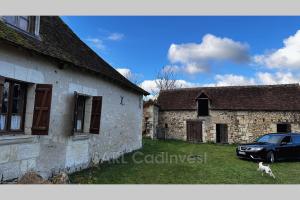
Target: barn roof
59 42
257 98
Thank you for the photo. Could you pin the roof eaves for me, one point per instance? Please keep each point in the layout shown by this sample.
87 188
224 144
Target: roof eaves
128 83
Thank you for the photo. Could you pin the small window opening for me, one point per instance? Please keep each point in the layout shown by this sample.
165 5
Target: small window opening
283 128
203 105
166 125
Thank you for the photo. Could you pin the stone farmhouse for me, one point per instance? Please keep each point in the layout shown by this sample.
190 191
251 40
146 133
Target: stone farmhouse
61 105
234 114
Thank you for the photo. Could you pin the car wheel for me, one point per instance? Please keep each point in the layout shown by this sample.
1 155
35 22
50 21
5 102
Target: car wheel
270 157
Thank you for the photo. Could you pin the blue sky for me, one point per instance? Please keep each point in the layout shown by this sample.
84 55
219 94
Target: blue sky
209 51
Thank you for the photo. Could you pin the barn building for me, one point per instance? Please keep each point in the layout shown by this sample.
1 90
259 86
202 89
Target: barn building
232 114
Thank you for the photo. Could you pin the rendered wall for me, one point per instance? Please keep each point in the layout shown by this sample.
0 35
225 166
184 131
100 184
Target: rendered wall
120 130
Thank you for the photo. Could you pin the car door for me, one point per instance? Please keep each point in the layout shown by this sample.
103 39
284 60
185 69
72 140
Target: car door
285 148
296 141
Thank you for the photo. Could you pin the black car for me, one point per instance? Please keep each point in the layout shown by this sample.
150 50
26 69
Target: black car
272 147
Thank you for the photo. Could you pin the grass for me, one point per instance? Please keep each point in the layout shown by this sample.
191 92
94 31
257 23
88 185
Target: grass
217 164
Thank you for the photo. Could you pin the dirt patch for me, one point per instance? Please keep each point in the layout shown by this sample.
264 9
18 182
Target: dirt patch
32 178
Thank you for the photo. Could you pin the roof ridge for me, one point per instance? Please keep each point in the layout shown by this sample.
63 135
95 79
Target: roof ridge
233 86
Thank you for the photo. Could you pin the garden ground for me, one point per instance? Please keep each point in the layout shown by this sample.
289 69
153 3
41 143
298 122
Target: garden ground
178 162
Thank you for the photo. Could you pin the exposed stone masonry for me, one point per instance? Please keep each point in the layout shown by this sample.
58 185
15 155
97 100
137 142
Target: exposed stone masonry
243 126
150 120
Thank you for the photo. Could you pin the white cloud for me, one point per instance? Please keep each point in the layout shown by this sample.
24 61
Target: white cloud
151 87
115 36
195 68
276 78
260 78
124 71
287 57
231 80
171 68
189 68
97 43
127 73
186 84
197 57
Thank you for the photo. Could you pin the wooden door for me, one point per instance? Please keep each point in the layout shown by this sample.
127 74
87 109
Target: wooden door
194 131
222 133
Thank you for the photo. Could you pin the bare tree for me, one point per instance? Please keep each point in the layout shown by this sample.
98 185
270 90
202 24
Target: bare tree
166 80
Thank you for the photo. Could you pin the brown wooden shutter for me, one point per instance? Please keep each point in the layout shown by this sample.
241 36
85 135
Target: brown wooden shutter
96 115
42 108
75 112
1 88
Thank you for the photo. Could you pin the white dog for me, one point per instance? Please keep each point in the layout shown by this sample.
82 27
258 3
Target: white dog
265 169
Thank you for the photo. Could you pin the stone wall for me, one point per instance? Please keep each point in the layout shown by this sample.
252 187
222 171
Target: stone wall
243 126
16 159
174 123
150 120
120 126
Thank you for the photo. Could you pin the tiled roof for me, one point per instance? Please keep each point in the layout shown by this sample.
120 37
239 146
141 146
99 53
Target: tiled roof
256 98
59 42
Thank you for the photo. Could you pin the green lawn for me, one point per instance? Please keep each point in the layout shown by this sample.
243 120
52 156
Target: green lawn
216 164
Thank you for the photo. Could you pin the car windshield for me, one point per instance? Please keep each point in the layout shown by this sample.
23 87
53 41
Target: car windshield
273 139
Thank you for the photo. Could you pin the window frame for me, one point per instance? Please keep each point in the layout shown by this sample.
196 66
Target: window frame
75 114
31 26
9 114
